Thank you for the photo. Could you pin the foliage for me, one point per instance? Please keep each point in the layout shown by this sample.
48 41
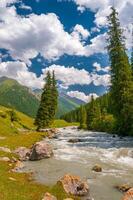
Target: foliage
83 117
48 104
13 116
121 77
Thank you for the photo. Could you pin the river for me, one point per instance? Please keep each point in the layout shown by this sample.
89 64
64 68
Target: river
113 153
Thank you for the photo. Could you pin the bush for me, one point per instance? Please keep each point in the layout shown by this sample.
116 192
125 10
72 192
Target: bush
13 116
105 124
2 114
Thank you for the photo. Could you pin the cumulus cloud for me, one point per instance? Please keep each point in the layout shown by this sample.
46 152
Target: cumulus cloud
102 9
66 76
69 75
101 79
19 71
26 37
4 3
99 68
82 96
80 32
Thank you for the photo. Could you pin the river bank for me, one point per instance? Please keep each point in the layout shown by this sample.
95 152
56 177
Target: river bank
112 153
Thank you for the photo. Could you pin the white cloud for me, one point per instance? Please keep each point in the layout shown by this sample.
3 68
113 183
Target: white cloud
101 8
26 37
23 6
101 79
82 96
4 3
99 68
66 76
19 71
80 33
70 75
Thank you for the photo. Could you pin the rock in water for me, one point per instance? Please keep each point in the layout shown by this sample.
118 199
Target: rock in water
73 185
74 140
123 188
128 195
97 168
23 153
48 196
41 150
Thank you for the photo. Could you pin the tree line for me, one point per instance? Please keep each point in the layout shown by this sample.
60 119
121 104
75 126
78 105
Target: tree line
112 112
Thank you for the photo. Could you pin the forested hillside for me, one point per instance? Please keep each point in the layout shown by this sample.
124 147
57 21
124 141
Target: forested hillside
114 111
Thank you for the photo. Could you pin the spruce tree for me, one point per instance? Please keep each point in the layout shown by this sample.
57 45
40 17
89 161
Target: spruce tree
46 111
93 113
83 117
54 96
121 78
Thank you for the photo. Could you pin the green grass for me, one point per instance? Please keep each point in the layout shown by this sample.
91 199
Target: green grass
62 123
23 187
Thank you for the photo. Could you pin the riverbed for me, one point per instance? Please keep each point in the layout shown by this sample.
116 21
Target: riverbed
113 153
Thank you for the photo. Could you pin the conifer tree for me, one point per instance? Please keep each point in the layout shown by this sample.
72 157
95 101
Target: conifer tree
83 117
121 78
132 51
93 113
54 92
46 111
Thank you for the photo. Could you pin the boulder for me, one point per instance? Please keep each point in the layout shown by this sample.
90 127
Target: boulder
97 168
74 140
123 188
128 195
41 150
73 185
23 153
48 196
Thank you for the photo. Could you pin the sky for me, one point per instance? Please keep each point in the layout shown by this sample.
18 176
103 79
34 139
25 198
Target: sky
67 36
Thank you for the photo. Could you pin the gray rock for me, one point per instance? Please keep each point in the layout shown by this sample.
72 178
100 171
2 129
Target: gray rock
41 150
23 153
73 185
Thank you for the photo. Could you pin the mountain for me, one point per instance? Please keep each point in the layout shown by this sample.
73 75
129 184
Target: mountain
23 99
65 102
9 126
13 94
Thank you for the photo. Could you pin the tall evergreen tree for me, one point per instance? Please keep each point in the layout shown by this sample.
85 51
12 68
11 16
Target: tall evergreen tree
54 92
47 108
121 78
132 51
83 117
93 113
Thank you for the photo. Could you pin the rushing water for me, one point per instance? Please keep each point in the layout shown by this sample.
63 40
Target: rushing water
112 153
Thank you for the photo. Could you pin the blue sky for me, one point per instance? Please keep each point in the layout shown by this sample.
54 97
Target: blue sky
67 36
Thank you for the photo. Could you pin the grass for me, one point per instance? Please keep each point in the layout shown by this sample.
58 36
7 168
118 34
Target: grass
22 187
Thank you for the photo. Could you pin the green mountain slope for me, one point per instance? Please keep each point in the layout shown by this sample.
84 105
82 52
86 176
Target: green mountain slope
23 99
9 126
14 95
65 105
